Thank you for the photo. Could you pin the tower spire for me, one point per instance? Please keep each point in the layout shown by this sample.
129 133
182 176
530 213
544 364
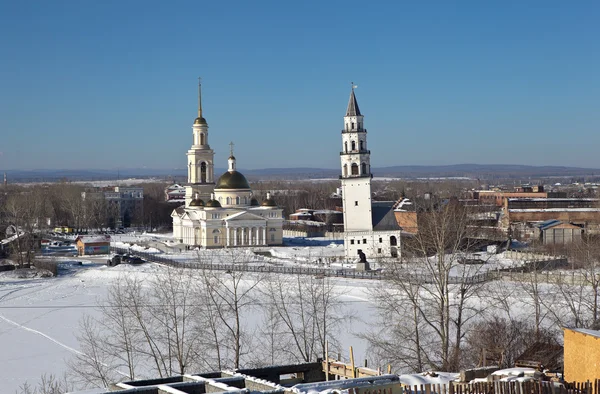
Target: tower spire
231 160
200 97
353 109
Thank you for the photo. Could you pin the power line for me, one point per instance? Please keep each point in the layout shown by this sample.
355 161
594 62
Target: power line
158 305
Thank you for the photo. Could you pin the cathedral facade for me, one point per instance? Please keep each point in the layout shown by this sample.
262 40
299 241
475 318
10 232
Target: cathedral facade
369 226
222 213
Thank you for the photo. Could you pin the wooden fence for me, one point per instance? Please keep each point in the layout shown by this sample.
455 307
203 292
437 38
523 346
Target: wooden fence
513 387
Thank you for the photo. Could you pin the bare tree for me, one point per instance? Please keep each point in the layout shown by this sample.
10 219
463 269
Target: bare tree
427 296
23 211
230 294
94 366
144 325
48 384
306 311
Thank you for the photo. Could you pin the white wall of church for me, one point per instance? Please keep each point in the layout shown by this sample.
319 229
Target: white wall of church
233 198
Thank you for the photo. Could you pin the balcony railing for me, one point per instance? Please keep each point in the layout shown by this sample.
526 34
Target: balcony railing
356 176
354 152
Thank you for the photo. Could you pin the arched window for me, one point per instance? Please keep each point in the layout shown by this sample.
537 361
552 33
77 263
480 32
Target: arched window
245 200
345 169
363 169
202 139
237 200
345 146
352 125
203 172
228 200
354 169
353 145
393 241
361 146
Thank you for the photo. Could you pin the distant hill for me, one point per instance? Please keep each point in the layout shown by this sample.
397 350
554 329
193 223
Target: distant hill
481 171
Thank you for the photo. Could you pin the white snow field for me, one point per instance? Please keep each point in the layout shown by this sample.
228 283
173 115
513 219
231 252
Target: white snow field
39 317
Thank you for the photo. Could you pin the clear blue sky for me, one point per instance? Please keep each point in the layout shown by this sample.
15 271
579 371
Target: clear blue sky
107 84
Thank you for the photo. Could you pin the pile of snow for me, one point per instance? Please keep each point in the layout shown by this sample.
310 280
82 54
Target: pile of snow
418 379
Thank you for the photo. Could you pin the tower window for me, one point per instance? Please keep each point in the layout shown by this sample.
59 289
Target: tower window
203 172
361 145
202 139
352 125
346 146
364 241
353 145
363 168
351 242
354 169
356 203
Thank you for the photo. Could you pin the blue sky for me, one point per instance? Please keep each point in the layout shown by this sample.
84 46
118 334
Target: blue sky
112 84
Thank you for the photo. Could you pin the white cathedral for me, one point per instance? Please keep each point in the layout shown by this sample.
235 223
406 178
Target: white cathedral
225 214
222 214
369 226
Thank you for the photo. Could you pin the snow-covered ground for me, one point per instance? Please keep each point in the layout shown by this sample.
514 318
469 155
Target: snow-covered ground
39 317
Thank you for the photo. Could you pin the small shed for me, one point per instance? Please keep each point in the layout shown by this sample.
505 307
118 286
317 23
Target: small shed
93 244
555 232
581 355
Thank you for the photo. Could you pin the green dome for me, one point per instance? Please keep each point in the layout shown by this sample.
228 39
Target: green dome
232 180
269 202
213 204
197 203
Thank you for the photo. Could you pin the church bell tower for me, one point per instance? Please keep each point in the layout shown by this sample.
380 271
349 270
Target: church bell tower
201 179
356 170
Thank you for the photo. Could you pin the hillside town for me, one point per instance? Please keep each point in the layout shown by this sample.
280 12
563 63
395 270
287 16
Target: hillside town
466 284
307 197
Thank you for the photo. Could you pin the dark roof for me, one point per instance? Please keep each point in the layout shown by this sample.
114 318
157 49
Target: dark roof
254 202
197 202
268 202
353 109
542 354
548 224
382 216
232 180
200 121
213 204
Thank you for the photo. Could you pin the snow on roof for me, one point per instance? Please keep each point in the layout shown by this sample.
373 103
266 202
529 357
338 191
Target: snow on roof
586 331
552 199
402 205
556 210
515 371
92 239
327 386
418 379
